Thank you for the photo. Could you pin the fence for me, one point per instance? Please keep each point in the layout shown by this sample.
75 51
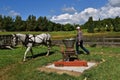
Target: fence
6 40
104 41
93 41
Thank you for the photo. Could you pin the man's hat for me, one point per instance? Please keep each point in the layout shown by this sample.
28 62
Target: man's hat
78 27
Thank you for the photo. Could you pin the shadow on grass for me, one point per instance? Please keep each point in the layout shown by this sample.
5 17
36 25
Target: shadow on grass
81 52
7 47
40 54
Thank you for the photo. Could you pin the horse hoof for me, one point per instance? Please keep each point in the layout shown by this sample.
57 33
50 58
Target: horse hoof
46 55
24 60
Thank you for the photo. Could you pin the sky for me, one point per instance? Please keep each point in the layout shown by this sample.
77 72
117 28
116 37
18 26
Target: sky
62 11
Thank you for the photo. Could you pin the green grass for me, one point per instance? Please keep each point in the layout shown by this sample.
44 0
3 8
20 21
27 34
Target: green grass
12 67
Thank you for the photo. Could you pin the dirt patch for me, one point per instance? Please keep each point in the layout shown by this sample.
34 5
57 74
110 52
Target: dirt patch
49 70
73 71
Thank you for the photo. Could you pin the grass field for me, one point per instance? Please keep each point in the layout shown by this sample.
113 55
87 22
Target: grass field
12 67
66 34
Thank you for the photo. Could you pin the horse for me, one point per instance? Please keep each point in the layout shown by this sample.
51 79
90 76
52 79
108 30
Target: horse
29 40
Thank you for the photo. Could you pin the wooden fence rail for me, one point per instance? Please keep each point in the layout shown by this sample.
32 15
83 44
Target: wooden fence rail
6 40
104 41
92 41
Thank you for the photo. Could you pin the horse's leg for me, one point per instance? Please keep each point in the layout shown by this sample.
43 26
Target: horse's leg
28 49
48 51
31 52
49 46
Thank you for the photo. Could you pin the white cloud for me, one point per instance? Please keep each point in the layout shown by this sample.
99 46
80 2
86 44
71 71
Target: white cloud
107 11
76 17
7 8
114 3
8 11
13 13
64 18
69 9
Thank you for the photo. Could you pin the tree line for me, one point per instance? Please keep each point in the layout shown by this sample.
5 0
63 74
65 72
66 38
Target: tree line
109 24
7 23
32 23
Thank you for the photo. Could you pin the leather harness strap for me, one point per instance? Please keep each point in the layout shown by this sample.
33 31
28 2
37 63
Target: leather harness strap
29 40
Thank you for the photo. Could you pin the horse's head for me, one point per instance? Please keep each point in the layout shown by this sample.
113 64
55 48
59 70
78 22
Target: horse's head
14 39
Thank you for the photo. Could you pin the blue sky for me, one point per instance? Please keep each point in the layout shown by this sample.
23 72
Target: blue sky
61 11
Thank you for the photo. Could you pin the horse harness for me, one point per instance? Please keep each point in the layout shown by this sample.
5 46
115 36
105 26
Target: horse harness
29 39
16 41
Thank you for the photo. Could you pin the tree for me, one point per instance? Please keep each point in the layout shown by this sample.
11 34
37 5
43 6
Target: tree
42 23
90 25
8 23
68 27
31 23
98 25
50 26
117 24
1 22
18 24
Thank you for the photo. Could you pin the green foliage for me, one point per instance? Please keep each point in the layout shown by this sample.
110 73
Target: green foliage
18 24
96 29
7 23
32 24
105 25
90 25
1 22
68 27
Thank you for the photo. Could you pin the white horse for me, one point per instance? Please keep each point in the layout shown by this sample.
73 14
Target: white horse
29 40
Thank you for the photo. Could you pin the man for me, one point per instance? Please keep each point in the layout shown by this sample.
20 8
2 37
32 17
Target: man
79 41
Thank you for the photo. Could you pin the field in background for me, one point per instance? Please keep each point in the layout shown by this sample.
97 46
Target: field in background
67 34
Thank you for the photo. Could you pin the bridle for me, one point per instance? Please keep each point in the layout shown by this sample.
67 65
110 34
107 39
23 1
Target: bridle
16 39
